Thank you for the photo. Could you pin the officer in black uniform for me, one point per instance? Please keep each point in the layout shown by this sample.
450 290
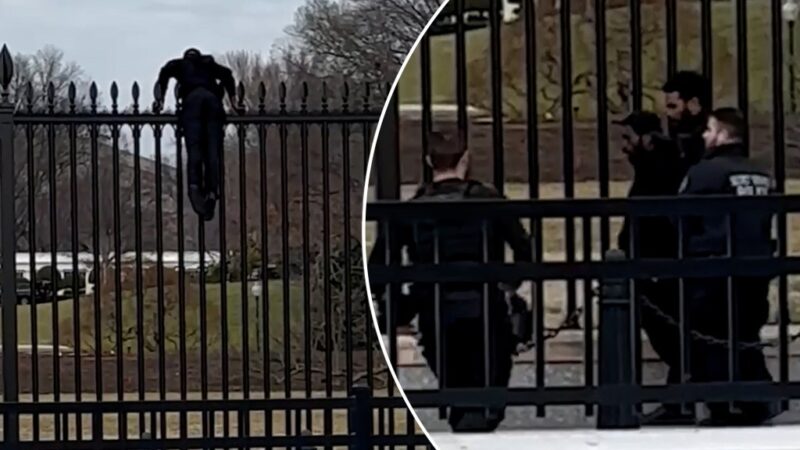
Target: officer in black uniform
658 171
201 81
726 170
462 304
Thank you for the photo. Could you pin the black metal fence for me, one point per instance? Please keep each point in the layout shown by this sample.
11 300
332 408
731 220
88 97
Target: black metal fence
129 323
551 77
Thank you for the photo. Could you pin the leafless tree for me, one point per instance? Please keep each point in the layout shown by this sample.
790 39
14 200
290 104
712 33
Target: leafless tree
361 40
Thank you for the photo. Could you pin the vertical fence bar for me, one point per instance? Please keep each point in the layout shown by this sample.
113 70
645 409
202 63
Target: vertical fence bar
244 417
348 263
326 270
684 318
707 43
461 73
427 99
636 52
53 242
29 136
223 292
208 417
635 306
439 332
287 373
162 361
387 158
672 36
73 218
780 179
531 60
94 134
601 66
306 251
366 145
266 374
117 221
742 79
588 316
567 145
732 304
8 254
179 192
497 95
137 212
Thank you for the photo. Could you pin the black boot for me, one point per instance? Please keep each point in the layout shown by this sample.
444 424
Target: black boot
197 199
209 205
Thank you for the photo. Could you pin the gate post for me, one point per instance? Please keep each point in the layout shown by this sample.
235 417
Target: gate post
8 244
616 348
386 159
361 417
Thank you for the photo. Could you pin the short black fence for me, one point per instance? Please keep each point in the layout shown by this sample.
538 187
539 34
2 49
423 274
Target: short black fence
129 323
532 95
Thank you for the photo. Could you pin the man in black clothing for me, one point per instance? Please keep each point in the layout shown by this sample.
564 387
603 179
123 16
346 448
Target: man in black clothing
657 172
687 96
726 170
202 85
461 323
659 165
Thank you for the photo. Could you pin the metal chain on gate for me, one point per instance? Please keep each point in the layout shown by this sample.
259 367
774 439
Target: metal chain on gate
709 339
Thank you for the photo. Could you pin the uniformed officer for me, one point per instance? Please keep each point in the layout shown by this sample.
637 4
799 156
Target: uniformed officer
726 170
462 304
202 85
658 171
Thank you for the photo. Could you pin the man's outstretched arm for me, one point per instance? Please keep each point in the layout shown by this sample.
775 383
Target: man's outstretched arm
225 76
170 70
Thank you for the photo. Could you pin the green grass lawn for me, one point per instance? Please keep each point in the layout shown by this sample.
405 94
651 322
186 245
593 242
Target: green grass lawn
45 315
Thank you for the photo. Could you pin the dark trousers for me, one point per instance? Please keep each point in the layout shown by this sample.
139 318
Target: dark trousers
464 359
660 299
708 300
202 120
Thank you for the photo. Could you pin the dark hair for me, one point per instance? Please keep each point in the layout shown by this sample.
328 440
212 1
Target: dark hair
732 120
444 150
191 53
689 85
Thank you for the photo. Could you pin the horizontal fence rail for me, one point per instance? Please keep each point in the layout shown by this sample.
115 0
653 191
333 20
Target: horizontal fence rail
131 322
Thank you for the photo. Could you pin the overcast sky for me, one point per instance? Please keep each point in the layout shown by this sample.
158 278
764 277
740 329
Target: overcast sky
129 40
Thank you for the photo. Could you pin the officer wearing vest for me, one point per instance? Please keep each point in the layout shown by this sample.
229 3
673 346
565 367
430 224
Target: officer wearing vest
462 304
726 170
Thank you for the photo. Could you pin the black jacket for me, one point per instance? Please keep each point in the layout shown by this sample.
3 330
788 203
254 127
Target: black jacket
199 72
726 170
657 172
459 240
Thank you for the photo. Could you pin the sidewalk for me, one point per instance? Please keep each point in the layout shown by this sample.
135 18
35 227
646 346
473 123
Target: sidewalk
783 437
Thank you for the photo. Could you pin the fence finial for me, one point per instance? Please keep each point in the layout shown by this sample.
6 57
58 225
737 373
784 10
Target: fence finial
304 99
367 95
71 94
51 97
114 96
135 95
282 96
6 72
93 96
262 95
29 96
324 96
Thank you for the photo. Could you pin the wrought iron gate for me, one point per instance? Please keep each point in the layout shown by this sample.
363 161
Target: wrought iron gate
129 323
